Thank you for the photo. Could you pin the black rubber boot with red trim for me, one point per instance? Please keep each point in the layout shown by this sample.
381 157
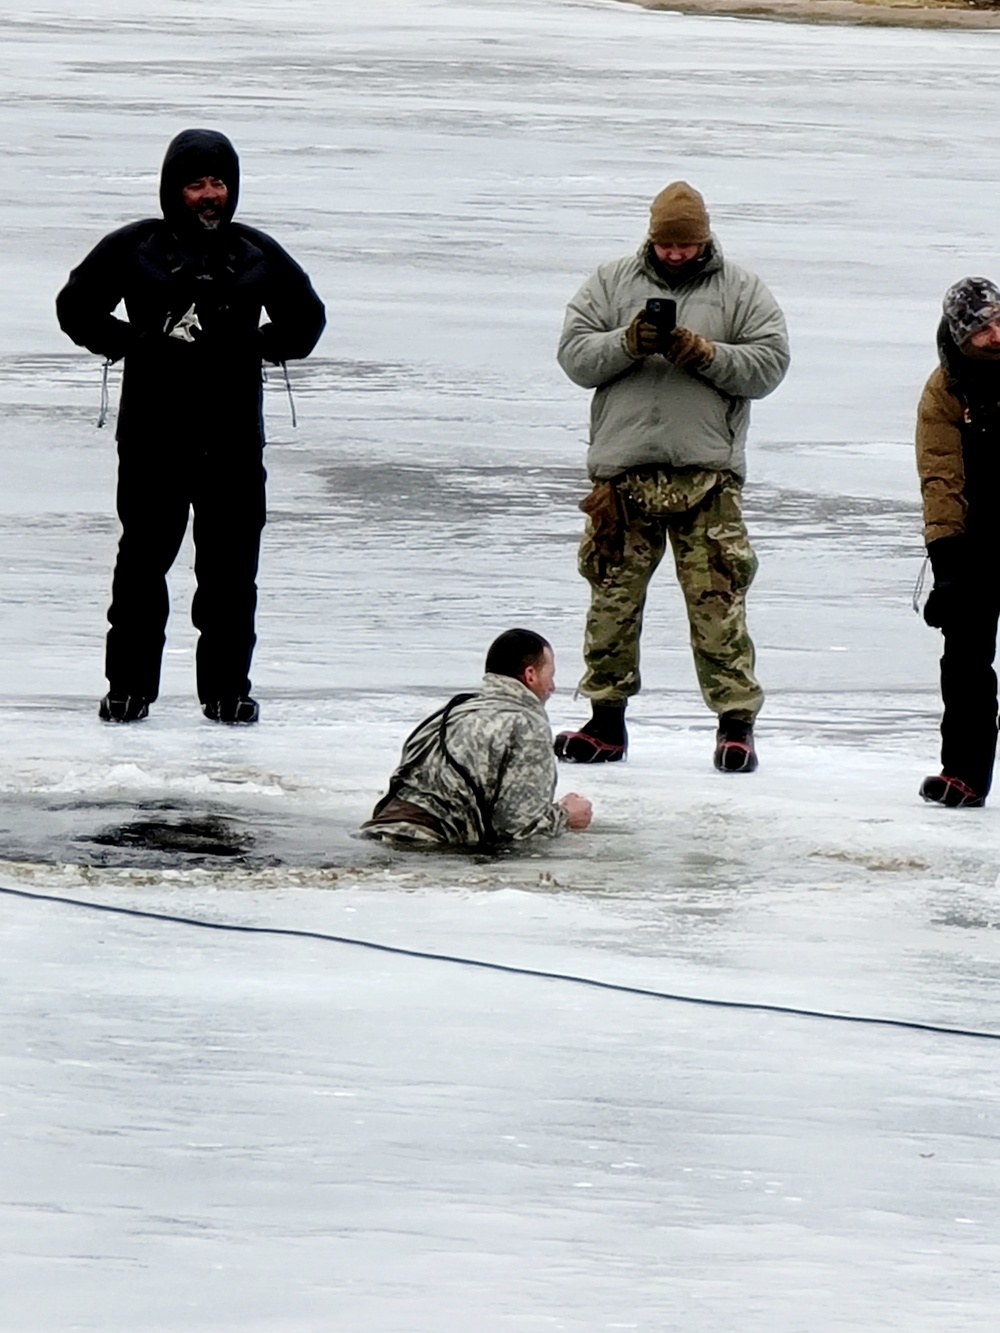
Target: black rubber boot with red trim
734 748
602 740
940 789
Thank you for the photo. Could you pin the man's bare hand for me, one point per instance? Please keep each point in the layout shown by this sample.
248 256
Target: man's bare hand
579 809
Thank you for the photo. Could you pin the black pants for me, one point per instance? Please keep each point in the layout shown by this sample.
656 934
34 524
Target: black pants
155 497
969 693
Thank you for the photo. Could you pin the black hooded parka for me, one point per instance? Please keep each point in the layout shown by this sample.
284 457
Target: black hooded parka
190 428
159 268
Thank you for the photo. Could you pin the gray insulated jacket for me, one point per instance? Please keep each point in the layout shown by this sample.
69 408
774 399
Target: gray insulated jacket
501 736
648 412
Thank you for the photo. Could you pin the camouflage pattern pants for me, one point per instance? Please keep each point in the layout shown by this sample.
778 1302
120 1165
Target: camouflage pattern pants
715 565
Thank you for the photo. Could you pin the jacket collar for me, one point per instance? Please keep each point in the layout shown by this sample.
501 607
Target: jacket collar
512 691
712 264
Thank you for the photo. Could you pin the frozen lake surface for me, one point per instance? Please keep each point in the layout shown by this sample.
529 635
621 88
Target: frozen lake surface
207 1130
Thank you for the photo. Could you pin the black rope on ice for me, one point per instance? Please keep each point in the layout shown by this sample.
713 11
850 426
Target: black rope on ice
508 968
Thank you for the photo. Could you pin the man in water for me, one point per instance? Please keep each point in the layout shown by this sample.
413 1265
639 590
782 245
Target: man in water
480 772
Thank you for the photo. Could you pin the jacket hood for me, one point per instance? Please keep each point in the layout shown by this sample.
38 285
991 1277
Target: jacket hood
948 353
189 156
709 261
971 375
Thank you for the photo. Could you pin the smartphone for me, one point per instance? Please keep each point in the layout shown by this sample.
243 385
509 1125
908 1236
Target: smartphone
662 312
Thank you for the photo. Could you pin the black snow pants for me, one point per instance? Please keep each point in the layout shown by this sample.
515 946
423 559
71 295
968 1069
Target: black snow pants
969 694
155 496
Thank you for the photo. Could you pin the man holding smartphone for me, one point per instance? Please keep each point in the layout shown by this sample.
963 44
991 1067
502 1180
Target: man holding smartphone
675 341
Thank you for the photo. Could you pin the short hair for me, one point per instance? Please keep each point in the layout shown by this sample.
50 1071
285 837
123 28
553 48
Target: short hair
514 651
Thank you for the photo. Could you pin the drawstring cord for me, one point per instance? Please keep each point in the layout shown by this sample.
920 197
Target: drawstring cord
288 390
918 587
103 415
291 400
105 397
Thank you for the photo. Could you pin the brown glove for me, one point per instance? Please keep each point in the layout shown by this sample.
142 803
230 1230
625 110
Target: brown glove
689 350
607 525
641 337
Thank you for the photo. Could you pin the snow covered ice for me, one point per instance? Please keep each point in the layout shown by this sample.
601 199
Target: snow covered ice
209 1131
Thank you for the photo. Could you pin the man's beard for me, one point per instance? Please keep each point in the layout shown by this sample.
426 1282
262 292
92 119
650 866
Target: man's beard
676 275
209 216
981 353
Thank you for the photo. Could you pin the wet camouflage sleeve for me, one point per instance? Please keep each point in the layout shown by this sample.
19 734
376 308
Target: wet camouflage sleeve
504 742
524 807
510 754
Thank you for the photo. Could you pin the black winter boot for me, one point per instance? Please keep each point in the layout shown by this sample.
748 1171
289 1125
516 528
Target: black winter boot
602 740
123 708
940 789
233 711
734 750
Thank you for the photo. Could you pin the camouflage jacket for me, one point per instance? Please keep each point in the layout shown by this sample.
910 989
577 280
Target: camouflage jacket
501 739
648 412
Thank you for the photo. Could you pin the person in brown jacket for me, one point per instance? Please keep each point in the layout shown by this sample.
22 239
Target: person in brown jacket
958 459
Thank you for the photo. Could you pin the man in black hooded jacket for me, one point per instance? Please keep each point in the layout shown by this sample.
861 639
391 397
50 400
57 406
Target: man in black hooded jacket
190 426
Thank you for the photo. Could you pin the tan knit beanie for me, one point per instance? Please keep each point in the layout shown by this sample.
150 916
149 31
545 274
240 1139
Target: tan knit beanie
678 216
